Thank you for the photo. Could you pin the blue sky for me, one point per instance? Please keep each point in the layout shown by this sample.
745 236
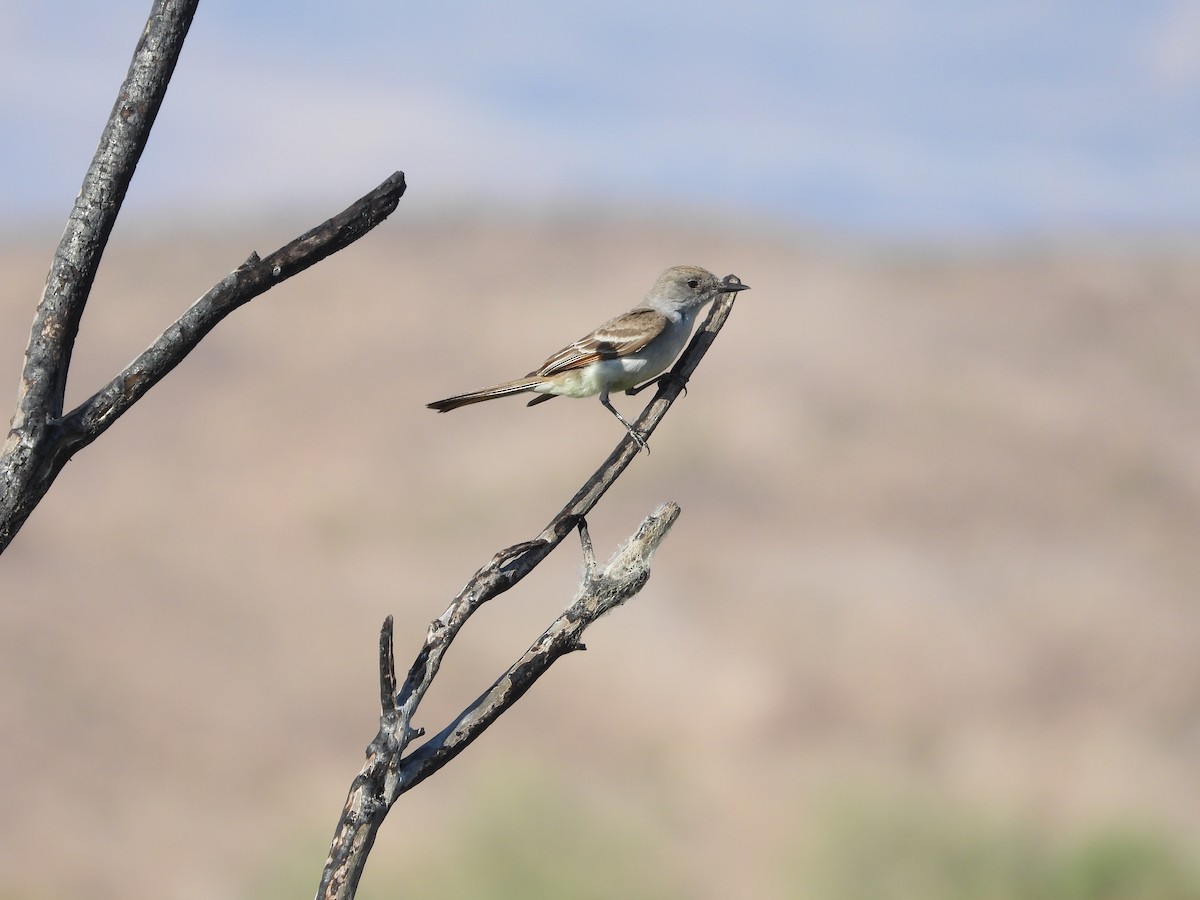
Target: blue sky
909 117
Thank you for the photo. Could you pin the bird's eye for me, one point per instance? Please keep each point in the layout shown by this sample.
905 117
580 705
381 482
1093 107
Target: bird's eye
692 282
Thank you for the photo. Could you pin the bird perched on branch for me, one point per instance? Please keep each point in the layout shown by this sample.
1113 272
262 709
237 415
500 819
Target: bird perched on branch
626 353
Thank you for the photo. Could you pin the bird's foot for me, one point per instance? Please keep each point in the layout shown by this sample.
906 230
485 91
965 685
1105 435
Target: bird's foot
641 440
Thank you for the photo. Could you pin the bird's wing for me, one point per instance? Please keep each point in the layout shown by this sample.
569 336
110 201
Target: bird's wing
625 334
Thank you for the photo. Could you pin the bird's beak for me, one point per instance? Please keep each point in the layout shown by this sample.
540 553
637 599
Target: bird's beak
731 284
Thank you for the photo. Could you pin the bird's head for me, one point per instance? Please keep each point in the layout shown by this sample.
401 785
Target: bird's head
690 287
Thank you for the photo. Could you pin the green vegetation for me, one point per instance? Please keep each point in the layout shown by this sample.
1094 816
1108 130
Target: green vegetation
877 849
539 837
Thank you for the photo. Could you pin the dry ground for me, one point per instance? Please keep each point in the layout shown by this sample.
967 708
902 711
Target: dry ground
940 517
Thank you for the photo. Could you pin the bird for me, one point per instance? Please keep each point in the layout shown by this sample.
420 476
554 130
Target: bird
627 353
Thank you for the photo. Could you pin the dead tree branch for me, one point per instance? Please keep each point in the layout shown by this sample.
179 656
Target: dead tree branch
41 439
386 775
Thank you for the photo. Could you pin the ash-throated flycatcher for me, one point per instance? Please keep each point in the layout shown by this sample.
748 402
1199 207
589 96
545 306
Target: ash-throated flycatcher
632 349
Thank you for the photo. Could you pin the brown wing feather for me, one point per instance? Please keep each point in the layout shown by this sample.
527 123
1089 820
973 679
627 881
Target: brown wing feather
620 336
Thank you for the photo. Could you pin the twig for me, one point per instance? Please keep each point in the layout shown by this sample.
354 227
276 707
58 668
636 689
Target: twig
387 773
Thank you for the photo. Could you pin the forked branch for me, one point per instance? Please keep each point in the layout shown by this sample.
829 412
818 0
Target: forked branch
41 439
387 773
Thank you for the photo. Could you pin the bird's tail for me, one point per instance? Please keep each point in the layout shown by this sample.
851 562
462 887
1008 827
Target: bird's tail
517 386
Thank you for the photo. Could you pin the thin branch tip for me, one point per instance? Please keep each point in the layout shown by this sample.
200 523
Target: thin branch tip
589 551
387 669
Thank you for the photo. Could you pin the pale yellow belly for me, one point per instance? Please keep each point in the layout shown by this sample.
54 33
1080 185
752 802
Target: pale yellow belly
605 375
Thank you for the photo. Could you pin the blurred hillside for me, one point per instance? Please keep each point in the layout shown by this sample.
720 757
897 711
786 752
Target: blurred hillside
938 541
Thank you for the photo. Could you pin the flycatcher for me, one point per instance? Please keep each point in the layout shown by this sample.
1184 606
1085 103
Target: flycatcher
633 349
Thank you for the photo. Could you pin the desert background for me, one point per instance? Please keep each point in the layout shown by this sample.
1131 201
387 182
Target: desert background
927 626
935 564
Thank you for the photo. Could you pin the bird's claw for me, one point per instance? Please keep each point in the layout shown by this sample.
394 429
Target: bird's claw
642 442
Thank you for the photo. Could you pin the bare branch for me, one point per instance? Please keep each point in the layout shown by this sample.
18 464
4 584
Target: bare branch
69 281
254 277
512 564
599 593
385 775
33 456
26 464
41 440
